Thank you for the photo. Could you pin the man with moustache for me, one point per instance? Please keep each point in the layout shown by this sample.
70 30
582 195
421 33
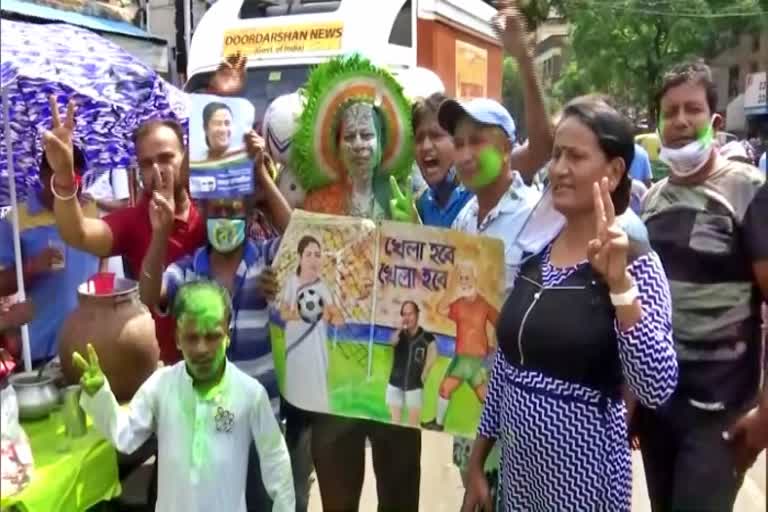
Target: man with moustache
127 232
160 155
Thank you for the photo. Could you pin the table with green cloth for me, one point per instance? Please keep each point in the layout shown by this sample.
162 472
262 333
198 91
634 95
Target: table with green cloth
71 474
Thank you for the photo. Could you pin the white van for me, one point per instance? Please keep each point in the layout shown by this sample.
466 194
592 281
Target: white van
284 38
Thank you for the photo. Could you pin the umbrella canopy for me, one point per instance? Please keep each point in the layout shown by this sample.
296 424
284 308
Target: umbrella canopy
114 93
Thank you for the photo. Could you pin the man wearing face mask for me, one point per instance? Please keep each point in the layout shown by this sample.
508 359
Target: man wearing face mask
160 157
707 223
234 262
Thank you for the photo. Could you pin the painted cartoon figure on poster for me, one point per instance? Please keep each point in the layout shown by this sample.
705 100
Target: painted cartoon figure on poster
414 355
306 306
472 313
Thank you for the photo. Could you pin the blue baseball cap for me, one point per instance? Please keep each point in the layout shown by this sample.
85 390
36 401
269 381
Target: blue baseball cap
483 110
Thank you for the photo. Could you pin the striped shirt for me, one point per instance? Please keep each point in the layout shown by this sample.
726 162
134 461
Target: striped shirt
249 348
708 237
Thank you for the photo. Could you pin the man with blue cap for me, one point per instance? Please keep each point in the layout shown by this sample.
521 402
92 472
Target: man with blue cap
484 134
490 165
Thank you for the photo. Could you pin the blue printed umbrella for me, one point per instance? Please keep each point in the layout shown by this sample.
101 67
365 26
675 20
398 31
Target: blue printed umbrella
113 90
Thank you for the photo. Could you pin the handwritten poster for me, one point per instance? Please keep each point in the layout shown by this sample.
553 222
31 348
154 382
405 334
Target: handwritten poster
219 166
387 321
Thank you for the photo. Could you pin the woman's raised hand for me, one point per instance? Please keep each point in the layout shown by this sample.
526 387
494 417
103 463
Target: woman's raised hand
607 252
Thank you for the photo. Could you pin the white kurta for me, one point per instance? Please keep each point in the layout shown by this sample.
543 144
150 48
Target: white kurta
202 442
306 343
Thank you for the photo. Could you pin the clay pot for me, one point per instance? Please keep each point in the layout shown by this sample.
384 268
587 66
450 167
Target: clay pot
113 319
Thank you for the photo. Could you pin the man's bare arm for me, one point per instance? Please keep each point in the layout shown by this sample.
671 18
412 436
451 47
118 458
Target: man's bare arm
161 212
530 157
89 235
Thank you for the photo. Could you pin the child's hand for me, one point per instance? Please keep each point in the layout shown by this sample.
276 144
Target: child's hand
92 378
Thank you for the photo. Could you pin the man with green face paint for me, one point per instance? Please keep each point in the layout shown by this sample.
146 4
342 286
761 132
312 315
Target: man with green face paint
205 412
491 166
483 134
707 223
236 263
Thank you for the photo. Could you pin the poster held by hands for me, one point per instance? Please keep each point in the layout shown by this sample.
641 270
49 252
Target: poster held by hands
386 321
220 167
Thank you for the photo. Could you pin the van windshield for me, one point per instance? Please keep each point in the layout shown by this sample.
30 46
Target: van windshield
264 85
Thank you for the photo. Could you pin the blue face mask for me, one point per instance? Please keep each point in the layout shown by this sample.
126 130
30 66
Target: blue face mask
226 235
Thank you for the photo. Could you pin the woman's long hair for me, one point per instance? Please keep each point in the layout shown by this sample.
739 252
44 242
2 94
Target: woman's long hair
305 242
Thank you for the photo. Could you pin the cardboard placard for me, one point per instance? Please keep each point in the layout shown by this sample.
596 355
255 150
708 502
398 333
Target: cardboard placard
219 166
381 320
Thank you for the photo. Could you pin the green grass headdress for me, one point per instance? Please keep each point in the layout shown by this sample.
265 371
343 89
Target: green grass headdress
206 302
332 86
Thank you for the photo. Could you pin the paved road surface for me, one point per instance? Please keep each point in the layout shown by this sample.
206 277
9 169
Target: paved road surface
441 488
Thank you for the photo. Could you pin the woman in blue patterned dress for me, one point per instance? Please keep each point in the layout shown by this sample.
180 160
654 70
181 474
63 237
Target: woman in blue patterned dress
588 315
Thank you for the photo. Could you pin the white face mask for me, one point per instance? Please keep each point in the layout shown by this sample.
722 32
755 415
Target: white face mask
689 159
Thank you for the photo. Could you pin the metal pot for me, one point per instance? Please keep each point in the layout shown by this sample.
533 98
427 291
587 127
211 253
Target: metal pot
37 396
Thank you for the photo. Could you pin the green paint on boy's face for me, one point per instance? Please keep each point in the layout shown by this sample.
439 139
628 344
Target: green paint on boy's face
489 164
205 308
204 354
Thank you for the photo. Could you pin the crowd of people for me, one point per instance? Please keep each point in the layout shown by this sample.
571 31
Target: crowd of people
671 276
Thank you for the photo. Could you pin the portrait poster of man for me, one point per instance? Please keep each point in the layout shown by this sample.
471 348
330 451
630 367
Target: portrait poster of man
219 164
387 321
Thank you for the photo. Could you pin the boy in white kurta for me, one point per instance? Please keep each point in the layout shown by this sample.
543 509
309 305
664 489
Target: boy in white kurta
204 411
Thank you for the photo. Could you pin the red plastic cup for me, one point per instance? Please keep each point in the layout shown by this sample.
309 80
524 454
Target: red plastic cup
102 283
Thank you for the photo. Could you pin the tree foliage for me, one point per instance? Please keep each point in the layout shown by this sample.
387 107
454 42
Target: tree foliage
512 94
623 47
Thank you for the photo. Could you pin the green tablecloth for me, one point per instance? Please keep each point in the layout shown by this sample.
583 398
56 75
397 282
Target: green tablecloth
70 475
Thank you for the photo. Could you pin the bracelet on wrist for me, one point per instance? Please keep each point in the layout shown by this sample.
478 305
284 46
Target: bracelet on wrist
75 187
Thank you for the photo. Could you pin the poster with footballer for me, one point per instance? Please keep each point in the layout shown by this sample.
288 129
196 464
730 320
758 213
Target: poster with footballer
386 321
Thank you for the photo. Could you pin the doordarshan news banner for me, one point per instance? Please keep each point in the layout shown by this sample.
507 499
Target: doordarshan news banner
298 38
381 320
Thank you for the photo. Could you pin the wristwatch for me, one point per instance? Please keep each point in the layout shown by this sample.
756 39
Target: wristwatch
626 298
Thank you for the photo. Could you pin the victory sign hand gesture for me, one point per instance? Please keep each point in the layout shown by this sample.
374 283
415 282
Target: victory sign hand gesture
57 143
230 78
92 378
401 205
161 207
509 26
608 252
